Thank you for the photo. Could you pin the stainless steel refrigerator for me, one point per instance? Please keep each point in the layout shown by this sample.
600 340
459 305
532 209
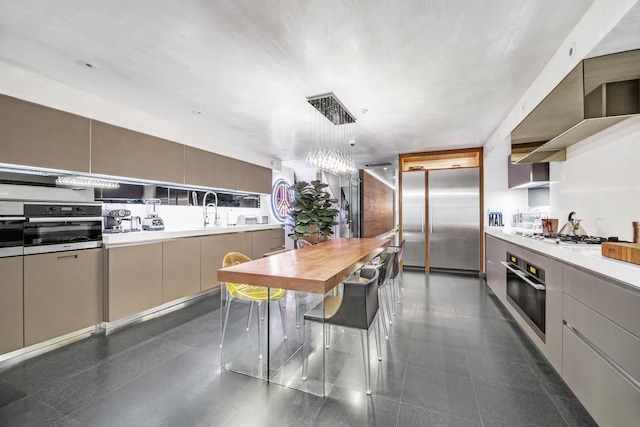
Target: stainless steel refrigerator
413 219
454 219
453 212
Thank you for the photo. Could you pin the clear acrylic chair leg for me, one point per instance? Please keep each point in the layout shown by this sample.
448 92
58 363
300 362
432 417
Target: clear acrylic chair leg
305 350
364 337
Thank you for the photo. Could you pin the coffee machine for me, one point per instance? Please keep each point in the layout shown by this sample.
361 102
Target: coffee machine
152 222
113 220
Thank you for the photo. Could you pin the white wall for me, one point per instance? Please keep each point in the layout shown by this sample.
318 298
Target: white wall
600 181
497 196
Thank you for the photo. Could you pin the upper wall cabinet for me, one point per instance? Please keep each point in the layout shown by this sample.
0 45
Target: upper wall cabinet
209 169
34 135
253 178
598 93
122 152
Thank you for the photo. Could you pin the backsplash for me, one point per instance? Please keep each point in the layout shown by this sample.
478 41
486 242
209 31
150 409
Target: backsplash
189 217
600 181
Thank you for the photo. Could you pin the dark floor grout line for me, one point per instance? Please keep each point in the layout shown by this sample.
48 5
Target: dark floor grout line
404 381
475 394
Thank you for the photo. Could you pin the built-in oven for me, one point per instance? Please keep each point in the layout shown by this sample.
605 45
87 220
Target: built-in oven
526 292
54 227
11 228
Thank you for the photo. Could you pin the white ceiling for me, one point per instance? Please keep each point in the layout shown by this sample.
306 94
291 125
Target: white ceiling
433 74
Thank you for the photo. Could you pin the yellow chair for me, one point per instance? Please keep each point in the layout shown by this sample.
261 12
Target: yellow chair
256 295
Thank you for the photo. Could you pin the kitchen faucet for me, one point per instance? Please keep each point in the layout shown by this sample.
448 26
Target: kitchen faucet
205 205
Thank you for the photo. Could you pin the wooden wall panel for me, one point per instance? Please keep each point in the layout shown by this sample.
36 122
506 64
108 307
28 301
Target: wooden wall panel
377 206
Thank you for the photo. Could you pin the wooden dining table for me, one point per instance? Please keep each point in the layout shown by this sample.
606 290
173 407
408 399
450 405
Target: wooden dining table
316 268
306 274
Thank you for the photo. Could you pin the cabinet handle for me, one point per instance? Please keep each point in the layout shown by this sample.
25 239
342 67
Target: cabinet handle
68 257
609 361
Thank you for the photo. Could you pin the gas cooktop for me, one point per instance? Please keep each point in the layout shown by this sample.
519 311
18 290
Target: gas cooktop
579 240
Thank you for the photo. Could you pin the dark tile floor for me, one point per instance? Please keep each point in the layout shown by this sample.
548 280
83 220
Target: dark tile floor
455 357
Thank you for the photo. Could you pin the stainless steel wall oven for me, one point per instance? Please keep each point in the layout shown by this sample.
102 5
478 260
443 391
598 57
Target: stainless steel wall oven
526 292
53 227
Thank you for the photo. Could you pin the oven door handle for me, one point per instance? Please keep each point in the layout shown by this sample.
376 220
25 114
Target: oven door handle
12 218
523 276
66 219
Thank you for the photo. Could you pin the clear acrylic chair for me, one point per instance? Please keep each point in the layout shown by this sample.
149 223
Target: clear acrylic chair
256 295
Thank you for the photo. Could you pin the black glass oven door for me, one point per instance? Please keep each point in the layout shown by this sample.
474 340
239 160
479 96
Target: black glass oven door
11 232
54 233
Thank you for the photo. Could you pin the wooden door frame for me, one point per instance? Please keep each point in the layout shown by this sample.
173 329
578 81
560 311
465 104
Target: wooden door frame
452 154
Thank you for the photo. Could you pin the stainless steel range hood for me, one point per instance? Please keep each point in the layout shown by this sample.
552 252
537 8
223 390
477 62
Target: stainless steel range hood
598 93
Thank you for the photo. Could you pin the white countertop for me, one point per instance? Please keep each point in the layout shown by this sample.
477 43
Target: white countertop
588 257
157 236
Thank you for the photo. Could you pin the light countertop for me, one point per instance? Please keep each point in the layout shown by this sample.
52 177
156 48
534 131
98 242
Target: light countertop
588 257
118 239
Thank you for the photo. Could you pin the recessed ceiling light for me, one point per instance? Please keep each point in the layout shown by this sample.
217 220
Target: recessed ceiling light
385 169
197 112
86 64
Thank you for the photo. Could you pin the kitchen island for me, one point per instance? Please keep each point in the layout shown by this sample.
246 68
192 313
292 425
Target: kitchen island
590 309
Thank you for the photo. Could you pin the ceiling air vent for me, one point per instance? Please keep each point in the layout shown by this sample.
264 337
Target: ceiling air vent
376 165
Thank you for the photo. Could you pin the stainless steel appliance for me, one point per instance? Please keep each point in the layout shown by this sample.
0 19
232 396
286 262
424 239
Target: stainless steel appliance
413 218
573 227
152 222
454 219
526 292
11 228
113 220
53 227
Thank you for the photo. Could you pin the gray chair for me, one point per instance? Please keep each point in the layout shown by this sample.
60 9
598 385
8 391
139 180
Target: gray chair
384 266
356 308
396 274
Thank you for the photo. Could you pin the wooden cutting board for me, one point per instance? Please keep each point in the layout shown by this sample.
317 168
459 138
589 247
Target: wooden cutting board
629 252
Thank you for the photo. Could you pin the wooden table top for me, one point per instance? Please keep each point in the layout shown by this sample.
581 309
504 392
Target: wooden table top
317 268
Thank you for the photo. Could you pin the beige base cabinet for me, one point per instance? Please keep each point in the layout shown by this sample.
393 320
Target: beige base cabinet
213 250
265 241
133 280
11 304
180 268
62 293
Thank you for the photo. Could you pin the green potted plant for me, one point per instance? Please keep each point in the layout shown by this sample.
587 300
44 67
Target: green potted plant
312 214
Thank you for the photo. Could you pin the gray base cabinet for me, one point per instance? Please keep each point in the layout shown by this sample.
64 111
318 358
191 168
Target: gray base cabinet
496 273
609 397
592 336
11 304
62 293
602 346
133 280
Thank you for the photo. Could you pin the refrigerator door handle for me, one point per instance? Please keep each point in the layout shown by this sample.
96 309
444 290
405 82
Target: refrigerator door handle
430 219
422 229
